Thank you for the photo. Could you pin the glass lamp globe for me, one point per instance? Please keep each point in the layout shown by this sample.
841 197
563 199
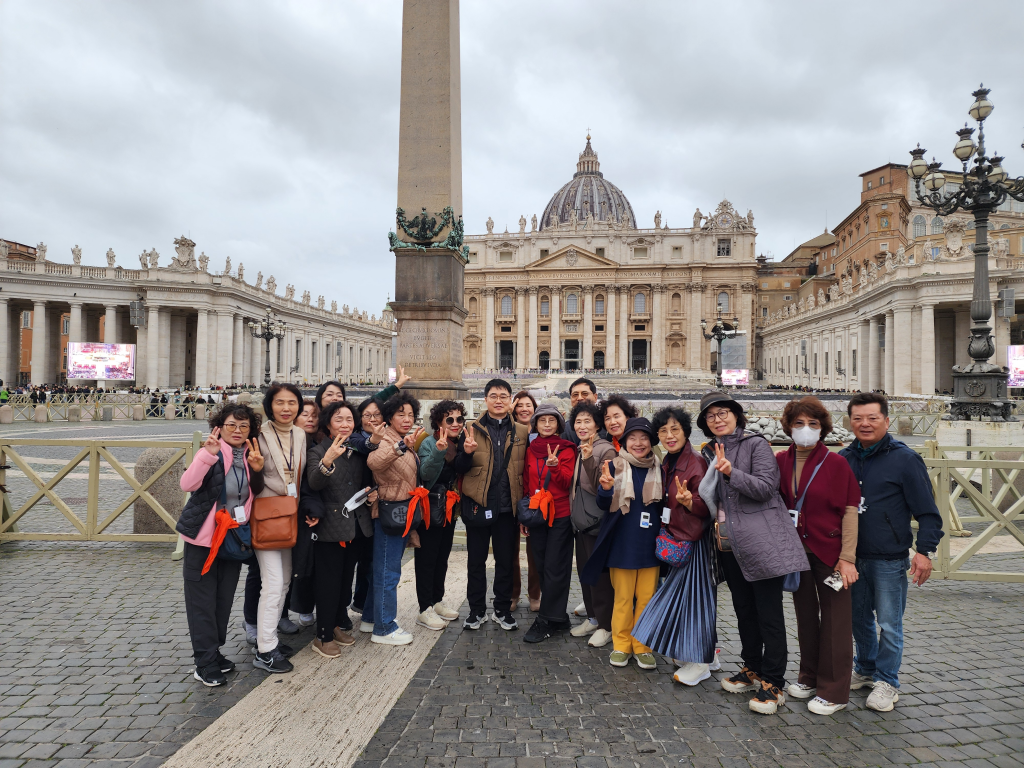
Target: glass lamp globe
998 173
965 147
934 181
982 107
918 167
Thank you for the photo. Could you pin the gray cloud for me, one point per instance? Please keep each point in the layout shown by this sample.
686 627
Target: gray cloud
268 131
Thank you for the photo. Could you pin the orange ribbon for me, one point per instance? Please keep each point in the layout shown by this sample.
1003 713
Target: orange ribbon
545 502
224 523
451 500
421 496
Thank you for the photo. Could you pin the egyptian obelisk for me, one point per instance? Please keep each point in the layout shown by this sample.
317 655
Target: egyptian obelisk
427 241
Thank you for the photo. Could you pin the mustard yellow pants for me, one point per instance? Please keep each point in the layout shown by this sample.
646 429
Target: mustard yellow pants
629 584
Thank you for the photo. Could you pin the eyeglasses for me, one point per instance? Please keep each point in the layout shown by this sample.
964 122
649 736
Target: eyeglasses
236 427
373 416
449 420
717 415
499 398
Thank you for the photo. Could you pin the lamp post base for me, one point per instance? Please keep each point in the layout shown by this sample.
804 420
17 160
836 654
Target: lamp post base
979 392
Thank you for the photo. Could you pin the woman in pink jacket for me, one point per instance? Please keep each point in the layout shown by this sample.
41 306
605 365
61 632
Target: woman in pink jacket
226 474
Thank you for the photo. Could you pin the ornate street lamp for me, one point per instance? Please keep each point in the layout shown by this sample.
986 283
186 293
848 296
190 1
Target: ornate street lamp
268 328
979 388
719 333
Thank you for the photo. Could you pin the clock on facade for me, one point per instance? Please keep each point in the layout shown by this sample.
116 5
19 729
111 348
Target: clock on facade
724 220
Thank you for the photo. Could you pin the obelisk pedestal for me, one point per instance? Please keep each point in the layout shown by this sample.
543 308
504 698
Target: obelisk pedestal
429 255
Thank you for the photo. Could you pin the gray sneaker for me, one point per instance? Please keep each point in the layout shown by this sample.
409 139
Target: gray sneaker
250 632
883 698
287 627
860 681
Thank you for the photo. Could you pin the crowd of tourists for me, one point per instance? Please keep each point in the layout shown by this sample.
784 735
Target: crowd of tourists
322 497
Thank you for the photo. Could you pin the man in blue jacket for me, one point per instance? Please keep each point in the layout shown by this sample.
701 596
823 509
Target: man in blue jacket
894 488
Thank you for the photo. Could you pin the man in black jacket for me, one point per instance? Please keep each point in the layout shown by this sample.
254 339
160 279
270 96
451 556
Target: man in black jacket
894 489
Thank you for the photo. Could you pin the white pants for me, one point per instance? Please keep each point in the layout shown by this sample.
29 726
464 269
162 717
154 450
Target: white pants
275 573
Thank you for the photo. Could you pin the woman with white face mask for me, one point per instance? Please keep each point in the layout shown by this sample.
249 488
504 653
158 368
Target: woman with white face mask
822 490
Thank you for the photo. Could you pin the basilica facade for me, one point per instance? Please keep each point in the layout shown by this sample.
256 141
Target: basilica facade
587 287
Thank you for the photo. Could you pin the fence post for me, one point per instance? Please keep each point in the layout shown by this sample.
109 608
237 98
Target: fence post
190 452
93 498
6 510
942 501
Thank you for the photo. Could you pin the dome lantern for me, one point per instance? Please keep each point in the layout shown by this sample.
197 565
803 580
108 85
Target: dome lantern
588 192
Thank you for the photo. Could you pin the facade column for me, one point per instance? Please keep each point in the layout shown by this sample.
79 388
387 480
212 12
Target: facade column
75 329
533 361
928 349
273 360
901 356
609 327
164 372
488 328
747 320
1000 333
225 344
695 340
202 349
110 325
872 362
624 356
588 328
153 347
555 356
521 358
657 361
237 361
890 348
39 346
258 361
5 343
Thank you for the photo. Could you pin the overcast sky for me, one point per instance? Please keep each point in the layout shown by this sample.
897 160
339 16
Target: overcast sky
268 131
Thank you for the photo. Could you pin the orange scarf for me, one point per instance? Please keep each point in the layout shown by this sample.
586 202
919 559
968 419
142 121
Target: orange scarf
545 502
451 499
224 523
422 496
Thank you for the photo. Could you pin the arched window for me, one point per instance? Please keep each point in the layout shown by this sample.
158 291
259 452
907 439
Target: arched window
572 304
506 306
676 353
545 306
598 306
920 226
639 304
723 301
599 360
677 302
936 226
472 306
1004 226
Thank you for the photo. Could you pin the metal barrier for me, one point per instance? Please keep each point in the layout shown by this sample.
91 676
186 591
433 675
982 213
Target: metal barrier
92 406
96 521
970 480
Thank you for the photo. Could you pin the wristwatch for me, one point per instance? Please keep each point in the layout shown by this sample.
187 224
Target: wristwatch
371 446
325 470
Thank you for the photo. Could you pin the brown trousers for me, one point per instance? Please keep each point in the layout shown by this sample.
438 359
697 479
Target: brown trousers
824 625
532 577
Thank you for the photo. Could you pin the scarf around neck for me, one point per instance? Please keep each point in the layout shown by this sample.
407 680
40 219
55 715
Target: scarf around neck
623 492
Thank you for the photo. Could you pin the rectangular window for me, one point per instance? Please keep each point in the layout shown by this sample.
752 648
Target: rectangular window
599 306
677 252
600 251
26 319
472 257
936 249
883 247
504 255
544 329
639 327
764 311
598 328
869 185
65 326
639 253
545 307
815 363
764 299
787 297
506 329
786 285
853 363
764 285
881 180
544 252
725 248
826 363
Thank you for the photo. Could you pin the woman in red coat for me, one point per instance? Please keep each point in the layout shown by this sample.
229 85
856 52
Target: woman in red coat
550 460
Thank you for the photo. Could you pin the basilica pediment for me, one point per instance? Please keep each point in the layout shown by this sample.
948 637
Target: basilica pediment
574 257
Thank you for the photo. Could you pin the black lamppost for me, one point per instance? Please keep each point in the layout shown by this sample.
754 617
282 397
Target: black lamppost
719 333
268 328
979 388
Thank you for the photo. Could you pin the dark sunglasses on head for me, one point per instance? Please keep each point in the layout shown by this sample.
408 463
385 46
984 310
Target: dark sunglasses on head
449 420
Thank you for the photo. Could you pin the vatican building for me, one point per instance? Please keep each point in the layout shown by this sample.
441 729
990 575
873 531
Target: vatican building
586 286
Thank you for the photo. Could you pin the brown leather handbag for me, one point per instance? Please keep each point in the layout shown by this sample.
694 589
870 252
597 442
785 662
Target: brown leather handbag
274 522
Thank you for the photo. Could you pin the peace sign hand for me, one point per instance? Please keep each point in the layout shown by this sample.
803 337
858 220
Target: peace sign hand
255 458
606 480
402 378
410 439
442 440
378 433
212 443
683 495
337 448
587 447
552 460
722 464
470 443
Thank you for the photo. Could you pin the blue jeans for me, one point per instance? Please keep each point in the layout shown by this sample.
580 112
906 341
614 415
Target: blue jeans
880 594
381 604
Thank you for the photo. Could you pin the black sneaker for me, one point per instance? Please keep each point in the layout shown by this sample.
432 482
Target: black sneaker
272 662
474 622
539 632
344 624
210 676
508 622
225 665
286 650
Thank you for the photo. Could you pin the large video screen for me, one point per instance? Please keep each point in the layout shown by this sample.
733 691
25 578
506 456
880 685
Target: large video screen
736 377
93 361
1015 362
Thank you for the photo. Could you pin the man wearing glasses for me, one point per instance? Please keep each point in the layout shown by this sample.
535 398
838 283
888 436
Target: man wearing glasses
495 447
581 390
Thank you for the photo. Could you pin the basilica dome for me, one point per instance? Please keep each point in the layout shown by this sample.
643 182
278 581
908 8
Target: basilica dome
588 193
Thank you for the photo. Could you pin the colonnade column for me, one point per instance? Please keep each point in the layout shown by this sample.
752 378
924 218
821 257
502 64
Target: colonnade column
624 361
110 325
872 363
225 331
555 358
274 342
928 349
256 368
863 344
39 348
237 355
890 327
488 328
695 342
75 324
657 361
588 328
901 355
521 361
153 347
609 327
202 374
533 360
5 343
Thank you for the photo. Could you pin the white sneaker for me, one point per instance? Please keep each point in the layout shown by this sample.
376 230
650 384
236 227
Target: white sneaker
583 629
859 681
431 620
398 637
366 626
444 612
800 691
717 663
883 698
692 673
600 638
306 619
819 706
581 609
